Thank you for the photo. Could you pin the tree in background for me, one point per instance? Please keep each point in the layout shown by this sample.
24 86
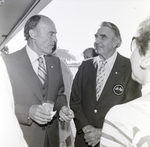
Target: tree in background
4 51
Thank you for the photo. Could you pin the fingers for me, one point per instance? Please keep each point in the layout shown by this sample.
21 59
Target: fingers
66 114
91 141
92 138
41 120
64 117
88 129
39 115
71 114
92 144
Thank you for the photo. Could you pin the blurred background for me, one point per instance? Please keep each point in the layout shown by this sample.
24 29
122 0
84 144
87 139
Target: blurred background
78 20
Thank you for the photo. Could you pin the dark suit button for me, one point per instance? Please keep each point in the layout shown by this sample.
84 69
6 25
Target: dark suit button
43 128
43 88
43 95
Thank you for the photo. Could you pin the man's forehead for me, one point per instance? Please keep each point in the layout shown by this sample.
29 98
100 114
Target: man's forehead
48 25
104 30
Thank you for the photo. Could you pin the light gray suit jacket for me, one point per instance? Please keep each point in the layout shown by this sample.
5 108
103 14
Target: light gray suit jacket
27 92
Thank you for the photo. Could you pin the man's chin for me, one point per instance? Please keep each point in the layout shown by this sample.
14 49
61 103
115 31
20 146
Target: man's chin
49 53
133 77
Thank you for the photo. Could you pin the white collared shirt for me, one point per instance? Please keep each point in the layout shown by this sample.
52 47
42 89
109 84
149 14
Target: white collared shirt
108 66
33 56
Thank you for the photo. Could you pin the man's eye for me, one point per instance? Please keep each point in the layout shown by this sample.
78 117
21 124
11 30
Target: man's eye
103 37
96 36
50 34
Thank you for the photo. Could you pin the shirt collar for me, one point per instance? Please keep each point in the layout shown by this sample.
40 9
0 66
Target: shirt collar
33 56
110 60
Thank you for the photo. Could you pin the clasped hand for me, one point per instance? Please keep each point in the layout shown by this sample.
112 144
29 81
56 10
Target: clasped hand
92 135
40 115
66 114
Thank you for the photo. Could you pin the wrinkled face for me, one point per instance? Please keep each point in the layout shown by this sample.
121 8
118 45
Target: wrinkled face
137 72
46 37
104 42
88 54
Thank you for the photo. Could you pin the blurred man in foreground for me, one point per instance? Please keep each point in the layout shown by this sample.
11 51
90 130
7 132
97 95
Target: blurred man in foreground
10 132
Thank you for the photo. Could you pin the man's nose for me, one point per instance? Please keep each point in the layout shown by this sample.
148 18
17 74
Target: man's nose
54 38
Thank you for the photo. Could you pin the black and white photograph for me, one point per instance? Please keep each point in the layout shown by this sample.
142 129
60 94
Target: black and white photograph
75 73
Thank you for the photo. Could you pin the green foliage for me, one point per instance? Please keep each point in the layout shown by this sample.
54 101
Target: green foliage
4 51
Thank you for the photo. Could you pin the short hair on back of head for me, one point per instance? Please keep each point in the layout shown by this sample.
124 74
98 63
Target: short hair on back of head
31 24
90 49
115 30
143 39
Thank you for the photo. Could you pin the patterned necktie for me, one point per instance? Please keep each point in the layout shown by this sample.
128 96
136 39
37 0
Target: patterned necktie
41 70
100 78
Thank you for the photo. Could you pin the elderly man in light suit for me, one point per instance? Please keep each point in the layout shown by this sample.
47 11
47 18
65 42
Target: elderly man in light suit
38 125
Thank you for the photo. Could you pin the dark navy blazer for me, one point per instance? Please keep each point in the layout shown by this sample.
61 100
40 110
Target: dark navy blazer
119 88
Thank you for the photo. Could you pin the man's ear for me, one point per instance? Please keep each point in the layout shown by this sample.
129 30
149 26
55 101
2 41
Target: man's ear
33 33
115 42
145 62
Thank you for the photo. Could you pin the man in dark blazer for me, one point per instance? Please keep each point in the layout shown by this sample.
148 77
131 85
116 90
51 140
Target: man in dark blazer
38 125
118 86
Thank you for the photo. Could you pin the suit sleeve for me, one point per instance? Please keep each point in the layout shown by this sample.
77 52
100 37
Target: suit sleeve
67 78
21 110
61 97
76 100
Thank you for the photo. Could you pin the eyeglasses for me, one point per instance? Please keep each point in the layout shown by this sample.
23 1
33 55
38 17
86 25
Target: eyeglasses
133 43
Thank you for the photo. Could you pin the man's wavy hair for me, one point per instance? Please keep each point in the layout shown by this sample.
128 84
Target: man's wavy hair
115 29
143 39
31 24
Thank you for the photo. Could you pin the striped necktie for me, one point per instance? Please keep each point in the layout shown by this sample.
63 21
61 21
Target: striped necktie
100 78
41 70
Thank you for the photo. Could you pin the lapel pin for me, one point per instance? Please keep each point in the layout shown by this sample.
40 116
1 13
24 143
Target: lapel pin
52 66
116 72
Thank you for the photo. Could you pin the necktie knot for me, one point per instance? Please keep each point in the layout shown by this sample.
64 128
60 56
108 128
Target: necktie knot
40 59
103 63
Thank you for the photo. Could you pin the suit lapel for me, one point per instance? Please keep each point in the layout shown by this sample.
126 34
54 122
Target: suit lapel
92 76
117 71
25 69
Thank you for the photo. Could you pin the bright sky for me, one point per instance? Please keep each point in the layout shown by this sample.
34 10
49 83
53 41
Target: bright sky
78 20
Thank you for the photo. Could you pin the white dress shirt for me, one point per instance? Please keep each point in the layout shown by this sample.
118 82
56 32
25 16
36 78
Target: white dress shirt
108 66
33 56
